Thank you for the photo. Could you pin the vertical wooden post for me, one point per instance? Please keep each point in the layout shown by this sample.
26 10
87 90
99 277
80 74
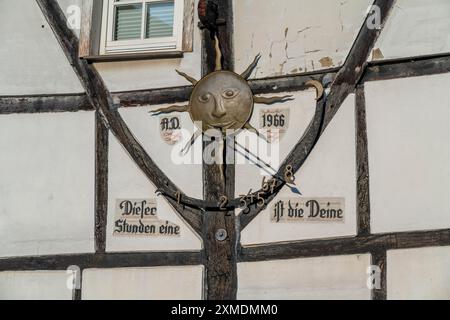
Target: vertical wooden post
379 259
219 228
101 182
362 163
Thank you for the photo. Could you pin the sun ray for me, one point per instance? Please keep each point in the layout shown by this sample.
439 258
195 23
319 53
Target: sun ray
187 77
170 109
247 73
194 137
272 100
319 88
250 128
218 54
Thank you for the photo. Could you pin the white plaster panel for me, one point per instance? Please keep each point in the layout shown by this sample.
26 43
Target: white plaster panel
34 285
322 278
126 181
408 153
32 60
295 36
160 283
146 129
47 183
329 171
416 28
158 73
419 274
301 112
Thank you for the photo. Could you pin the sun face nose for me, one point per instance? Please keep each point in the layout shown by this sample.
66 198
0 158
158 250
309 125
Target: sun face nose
219 109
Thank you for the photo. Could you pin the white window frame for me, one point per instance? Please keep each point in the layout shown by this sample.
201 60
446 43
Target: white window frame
109 46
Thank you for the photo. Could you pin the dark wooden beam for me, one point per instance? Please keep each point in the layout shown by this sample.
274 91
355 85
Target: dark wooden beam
101 182
292 82
345 246
376 71
362 164
219 181
153 96
103 260
99 96
407 67
44 103
379 259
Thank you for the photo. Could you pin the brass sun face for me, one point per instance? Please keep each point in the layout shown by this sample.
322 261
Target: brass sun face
222 100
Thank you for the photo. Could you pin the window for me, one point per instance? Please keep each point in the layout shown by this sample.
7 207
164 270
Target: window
130 28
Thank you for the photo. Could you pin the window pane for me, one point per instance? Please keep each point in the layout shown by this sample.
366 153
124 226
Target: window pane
160 19
128 22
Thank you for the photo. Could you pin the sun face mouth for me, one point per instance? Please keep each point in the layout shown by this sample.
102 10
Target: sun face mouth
224 125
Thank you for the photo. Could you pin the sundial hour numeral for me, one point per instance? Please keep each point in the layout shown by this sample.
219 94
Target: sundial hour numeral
289 174
269 185
265 185
223 201
273 184
243 200
261 201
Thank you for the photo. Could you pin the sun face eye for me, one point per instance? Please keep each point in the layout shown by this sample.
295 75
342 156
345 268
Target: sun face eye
230 93
204 97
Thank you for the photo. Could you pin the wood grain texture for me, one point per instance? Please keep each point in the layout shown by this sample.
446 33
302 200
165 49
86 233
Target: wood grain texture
291 83
99 96
44 103
101 182
345 246
219 180
362 165
153 96
102 260
379 259
188 26
407 67
87 15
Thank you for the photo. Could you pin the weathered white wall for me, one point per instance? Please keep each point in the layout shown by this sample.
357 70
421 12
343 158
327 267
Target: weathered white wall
145 128
419 274
408 122
329 171
416 28
37 65
295 36
325 278
46 183
34 285
31 60
126 181
161 283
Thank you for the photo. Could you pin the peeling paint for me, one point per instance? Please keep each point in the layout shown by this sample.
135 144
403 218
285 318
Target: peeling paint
377 54
295 38
326 62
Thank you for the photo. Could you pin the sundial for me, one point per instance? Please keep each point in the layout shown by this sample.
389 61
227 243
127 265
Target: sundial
223 101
